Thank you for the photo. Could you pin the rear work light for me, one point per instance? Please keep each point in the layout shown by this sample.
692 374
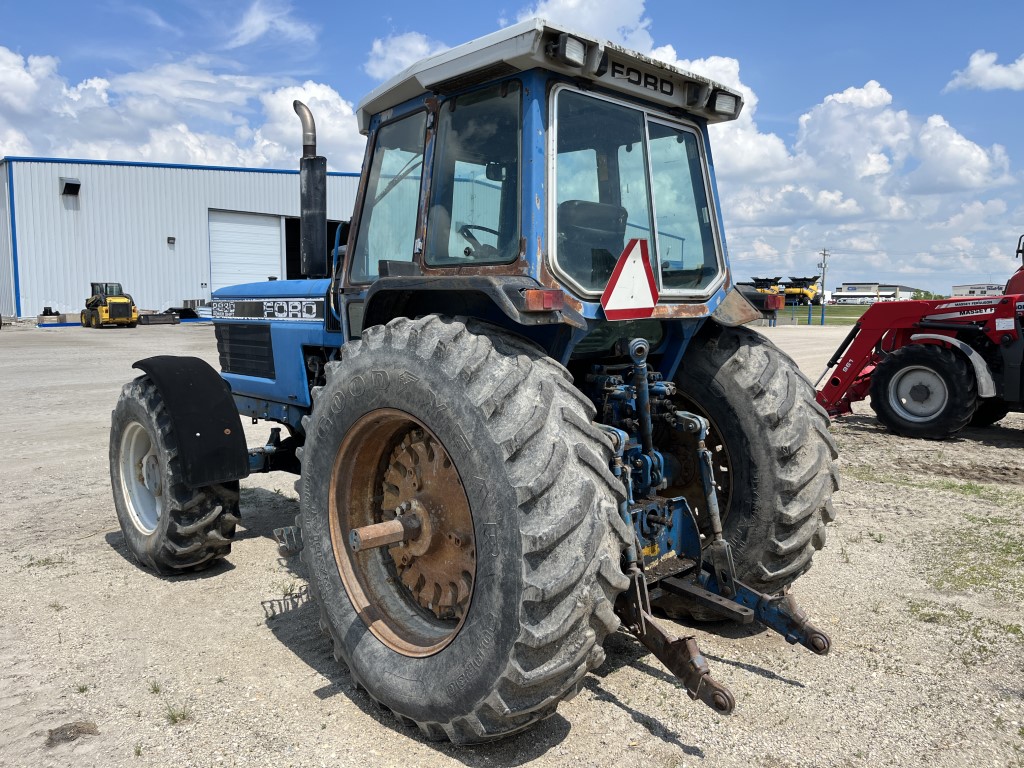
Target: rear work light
724 103
568 50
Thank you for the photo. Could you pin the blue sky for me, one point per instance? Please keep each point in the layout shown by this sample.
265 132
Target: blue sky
889 133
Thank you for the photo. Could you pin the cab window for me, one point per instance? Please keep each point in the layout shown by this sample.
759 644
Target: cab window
387 226
474 208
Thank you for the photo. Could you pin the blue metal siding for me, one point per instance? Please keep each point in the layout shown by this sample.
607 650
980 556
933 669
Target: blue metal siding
10 298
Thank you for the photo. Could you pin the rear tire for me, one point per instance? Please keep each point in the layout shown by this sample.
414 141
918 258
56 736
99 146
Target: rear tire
772 450
167 526
925 391
94 319
84 318
407 403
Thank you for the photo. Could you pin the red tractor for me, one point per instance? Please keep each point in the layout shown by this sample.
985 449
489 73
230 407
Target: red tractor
933 367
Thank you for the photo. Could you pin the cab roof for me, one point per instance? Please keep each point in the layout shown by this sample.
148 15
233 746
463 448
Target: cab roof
536 43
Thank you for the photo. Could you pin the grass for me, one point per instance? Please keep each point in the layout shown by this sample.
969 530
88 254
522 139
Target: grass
986 551
175 715
138 750
975 639
154 687
835 314
987 556
45 562
82 687
58 607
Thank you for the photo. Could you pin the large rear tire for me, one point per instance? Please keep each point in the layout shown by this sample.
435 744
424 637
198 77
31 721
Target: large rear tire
482 625
924 390
167 526
773 453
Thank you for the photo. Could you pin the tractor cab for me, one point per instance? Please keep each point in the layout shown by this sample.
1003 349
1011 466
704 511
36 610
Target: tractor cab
526 164
106 290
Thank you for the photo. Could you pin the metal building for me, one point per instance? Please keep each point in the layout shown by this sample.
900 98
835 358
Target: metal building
170 234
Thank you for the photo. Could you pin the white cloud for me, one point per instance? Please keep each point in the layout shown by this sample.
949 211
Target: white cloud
984 73
152 115
975 216
951 162
270 16
392 54
623 22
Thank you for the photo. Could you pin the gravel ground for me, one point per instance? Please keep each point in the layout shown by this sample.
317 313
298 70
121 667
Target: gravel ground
921 588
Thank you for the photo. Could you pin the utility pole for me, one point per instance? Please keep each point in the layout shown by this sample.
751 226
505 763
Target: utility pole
823 264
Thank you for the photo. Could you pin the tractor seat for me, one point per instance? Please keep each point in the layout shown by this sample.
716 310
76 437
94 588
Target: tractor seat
590 239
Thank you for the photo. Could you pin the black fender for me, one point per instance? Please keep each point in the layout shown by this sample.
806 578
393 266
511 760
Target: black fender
495 298
209 432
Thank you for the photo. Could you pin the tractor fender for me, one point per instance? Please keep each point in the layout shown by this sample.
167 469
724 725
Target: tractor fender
205 421
488 297
982 374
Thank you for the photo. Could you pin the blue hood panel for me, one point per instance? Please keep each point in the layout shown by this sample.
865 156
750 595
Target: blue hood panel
275 289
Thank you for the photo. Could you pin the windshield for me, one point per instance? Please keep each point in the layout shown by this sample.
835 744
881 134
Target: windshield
622 174
107 289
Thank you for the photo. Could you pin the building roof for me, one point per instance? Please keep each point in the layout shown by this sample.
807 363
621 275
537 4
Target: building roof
142 164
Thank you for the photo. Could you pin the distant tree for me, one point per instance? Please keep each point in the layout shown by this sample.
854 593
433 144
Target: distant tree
920 295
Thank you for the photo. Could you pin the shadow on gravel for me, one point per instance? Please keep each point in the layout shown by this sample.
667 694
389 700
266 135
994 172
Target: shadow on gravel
115 539
295 621
263 511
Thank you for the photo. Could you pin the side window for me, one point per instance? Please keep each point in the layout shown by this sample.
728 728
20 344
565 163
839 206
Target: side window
387 226
474 207
686 238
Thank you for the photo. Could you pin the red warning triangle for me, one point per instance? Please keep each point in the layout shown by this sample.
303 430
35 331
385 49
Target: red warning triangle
631 292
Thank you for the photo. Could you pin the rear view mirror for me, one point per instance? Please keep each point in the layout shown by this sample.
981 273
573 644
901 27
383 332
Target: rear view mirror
495 172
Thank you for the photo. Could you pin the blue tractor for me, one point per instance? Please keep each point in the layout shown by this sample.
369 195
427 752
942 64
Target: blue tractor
518 393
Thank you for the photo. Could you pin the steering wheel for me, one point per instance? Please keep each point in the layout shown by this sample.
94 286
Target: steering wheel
466 231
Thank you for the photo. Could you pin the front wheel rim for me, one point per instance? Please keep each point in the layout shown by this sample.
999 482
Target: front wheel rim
414 597
141 478
918 394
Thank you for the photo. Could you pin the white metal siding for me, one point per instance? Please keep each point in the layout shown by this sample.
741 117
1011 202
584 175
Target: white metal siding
244 248
6 255
117 228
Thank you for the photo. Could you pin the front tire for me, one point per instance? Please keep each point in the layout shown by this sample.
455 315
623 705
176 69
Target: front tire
167 526
924 390
487 437
772 450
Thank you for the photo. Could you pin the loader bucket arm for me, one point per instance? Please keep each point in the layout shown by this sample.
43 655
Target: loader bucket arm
861 350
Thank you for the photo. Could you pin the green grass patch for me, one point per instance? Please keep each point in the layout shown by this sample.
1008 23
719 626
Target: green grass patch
45 562
835 314
974 639
175 715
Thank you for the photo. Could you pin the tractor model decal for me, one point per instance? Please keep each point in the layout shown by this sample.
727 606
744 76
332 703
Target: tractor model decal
270 309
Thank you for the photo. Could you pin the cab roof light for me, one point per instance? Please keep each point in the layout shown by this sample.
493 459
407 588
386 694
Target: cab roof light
568 50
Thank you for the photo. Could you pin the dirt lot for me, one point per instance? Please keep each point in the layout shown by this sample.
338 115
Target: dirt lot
921 588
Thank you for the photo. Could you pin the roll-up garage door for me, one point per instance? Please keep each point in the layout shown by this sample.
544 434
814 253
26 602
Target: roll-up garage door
244 248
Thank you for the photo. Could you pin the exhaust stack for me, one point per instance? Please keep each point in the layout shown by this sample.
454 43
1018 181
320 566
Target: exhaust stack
312 200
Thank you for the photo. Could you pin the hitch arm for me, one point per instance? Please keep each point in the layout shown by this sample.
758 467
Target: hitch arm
680 655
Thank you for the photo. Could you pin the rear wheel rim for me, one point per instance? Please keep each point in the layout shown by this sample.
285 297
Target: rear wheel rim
413 598
918 394
141 478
